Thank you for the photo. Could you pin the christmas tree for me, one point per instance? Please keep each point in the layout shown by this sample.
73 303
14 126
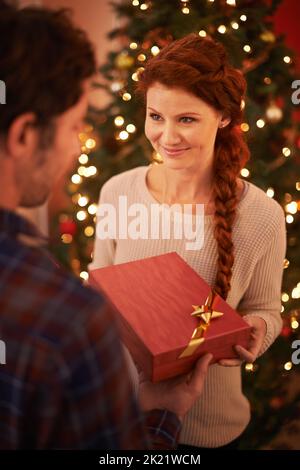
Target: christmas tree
114 142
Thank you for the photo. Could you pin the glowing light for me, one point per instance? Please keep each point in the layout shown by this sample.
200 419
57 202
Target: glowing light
247 48
286 263
90 143
202 33
234 25
243 104
287 59
82 201
282 308
292 207
289 219
222 29
81 170
135 3
296 295
245 127
288 365
270 192
126 97
76 179
84 275
66 238
90 171
245 172
135 77
81 215
155 50
119 121
243 18
231 3
83 159
144 6
142 57
133 45
89 231
123 135
92 209
131 128
286 151
185 10
260 123
249 367
285 297
298 185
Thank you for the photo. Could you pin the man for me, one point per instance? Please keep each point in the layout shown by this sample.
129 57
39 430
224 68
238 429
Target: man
65 383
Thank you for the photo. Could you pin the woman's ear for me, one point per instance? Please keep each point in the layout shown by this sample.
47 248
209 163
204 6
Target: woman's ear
224 122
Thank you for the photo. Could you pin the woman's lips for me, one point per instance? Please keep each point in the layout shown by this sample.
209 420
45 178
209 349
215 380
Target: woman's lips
174 152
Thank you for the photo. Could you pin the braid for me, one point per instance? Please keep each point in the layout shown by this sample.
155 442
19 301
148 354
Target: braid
228 149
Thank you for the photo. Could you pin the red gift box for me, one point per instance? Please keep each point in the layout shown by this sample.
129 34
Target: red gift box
154 298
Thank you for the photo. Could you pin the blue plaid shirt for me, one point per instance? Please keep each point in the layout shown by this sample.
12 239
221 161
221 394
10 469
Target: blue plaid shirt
64 384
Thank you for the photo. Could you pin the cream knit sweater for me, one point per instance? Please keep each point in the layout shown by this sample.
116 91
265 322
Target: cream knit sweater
259 235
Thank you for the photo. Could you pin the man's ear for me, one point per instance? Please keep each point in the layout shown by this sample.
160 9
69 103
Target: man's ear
22 136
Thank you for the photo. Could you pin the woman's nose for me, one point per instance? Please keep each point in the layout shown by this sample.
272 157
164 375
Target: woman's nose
170 135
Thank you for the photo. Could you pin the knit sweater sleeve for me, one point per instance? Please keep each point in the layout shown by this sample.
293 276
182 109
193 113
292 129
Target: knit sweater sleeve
263 296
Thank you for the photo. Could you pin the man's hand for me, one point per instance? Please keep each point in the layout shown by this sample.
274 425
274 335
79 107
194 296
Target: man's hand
177 394
258 333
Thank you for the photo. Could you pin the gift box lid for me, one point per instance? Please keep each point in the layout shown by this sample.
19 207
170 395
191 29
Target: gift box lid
155 297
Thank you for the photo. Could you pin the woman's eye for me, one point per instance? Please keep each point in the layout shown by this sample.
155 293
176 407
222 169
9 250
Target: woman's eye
187 120
154 116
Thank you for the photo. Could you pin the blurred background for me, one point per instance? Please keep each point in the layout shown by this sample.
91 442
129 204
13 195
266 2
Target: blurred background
263 40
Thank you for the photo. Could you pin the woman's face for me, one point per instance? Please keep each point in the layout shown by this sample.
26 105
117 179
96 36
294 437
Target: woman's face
181 127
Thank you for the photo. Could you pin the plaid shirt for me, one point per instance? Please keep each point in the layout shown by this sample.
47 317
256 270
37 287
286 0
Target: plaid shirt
64 384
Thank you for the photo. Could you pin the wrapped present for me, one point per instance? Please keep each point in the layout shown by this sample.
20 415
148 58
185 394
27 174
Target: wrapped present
168 315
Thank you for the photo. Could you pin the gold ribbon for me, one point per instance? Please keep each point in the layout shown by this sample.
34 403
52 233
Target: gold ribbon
205 313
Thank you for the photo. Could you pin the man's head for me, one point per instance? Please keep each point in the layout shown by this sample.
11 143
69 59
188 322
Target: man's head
46 64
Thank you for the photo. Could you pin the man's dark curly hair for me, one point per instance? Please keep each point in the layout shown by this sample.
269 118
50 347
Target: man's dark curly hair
44 60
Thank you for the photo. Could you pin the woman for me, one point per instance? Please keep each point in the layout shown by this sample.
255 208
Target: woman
194 101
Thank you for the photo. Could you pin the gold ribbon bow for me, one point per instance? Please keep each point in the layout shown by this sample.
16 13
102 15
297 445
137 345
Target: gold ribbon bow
206 314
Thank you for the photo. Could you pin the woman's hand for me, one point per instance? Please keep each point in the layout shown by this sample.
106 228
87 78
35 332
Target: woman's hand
258 333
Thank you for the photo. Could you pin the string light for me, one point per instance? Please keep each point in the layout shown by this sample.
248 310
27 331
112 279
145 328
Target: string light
126 96
83 159
288 365
133 45
243 18
249 367
247 48
202 33
231 3
81 215
90 144
292 207
289 219
131 128
234 25
245 172
81 170
298 185
270 192
90 171
296 295
66 238
185 10
287 59
123 135
222 29
245 127
83 201
142 57
135 77
144 6
135 3
89 231
92 209
260 123
286 263
76 179
119 121
285 297
155 50
286 151
84 275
